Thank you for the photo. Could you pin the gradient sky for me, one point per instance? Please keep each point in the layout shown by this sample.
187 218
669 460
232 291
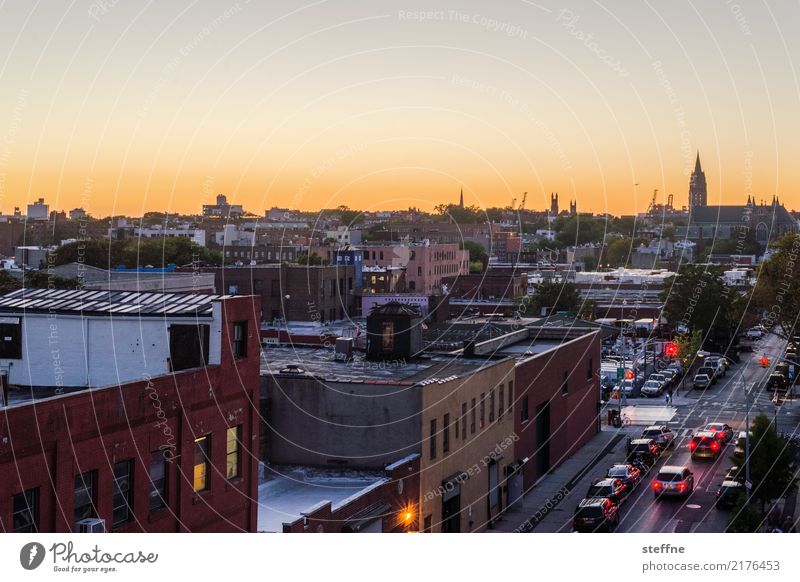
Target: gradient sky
123 106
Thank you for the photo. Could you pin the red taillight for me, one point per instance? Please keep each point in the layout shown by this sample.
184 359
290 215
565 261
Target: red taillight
715 446
692 445
656 485
681 486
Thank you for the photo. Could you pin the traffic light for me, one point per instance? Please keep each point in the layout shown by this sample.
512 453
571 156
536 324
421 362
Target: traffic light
671 350
628 375
764 361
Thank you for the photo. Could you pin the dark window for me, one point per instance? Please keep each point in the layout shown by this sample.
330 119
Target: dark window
510 395
85 485
446 433
122 492
240 339
202 446
387 335
188 346
463 421
332 285
590 369
158 480
427 527
501 403
26 511
491 406
472 418
381 255
433 439
483 409
10 341
523 408
232 453
565 382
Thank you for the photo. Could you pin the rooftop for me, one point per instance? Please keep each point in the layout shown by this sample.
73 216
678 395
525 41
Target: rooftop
108 302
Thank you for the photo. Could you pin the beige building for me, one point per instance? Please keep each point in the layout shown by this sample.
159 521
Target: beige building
468 429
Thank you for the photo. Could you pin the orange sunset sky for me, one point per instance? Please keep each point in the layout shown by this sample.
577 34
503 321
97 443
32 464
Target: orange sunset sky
127 107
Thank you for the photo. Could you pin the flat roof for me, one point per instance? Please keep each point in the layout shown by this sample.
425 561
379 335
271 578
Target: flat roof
125 303
286 493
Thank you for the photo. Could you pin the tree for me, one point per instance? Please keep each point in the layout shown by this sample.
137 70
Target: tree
688 346
476 266
306 259
695 297
745 518
555 297
771 462
777 289
460 215
619 251
589 263
476 250
349 217
133 253
578 230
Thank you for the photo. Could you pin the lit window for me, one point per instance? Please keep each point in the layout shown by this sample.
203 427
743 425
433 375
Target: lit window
201 462
232 452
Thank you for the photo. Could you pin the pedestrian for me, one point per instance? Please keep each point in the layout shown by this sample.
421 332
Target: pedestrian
669 395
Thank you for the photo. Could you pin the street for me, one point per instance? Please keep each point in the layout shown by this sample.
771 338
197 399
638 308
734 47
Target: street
691 410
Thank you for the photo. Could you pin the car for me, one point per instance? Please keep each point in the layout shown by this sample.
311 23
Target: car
710 372
754 333
673 480
721 430
701 382
776 382
705 445
661 434
645 450
739 451
735 473
626 386
614 489
717 365
595 514
630 474
659 377
670 374
651 388
728 493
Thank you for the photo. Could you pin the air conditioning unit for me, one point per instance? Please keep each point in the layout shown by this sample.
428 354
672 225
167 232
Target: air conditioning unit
91 525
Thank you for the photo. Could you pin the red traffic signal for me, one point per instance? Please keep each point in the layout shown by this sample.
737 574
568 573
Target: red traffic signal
628 375
671 350
764 361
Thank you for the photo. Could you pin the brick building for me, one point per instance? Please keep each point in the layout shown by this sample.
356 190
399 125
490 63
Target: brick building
169 451
488 285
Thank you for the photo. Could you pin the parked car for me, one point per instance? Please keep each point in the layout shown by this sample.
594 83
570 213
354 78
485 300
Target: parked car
614 489
645 450
705 445
738 452
670 374
735 473
701 382
717 365
659 377
661 434
754 333
630 474
673 480
626 386
728 493
721 430
595 514
651 388
710 372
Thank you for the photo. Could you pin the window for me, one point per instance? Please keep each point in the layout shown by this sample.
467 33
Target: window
433 439
510 396
472 419
332 286
590 369
565 383
188 346
122 492
501 404
419 271
483 409
25 518
85 484
239 339
446 433
158 480
491 405
232 455
523 409
11 339
427 527
463 421
387 335
202 446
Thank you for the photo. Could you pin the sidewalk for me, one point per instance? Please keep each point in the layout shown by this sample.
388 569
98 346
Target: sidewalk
524 515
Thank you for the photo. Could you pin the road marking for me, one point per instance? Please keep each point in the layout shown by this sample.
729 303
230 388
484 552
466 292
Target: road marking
694 506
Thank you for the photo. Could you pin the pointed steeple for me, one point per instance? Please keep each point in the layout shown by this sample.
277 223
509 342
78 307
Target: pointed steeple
461 200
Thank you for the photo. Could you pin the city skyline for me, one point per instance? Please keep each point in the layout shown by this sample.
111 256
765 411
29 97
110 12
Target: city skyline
123 110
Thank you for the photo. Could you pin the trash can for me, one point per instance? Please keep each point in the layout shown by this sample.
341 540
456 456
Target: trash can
615 419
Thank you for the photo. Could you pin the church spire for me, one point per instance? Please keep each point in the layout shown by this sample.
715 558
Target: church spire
461 200
697 167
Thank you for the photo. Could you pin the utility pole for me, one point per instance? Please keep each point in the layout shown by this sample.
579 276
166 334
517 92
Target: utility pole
747 483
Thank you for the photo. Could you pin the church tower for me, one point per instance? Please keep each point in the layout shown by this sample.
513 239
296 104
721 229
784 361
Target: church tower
698 193
553 204
573 208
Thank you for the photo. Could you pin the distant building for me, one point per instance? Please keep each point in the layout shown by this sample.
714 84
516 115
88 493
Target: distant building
38 210
344 236
196 235
77 214
222 209
768 221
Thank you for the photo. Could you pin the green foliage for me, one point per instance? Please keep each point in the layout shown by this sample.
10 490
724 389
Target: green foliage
688 346
771 461
695 297
777 289
578 230
555 297
459 215
618 251
349 217
476 266
35 280
476 250
133 253
306 259
745 517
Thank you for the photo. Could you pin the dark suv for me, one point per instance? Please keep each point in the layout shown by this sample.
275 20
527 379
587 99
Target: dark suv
596 514
728 493
644 450
705 444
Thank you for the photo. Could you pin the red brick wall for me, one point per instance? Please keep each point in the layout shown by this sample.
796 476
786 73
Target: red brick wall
573 418
45 445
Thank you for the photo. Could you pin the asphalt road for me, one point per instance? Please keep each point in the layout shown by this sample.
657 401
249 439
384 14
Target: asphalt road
724 402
